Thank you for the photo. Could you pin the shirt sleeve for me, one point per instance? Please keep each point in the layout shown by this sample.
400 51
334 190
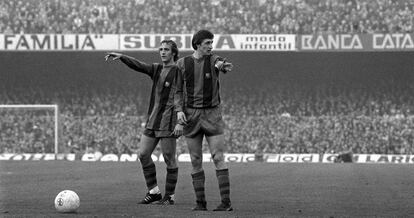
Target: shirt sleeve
179 90
137 65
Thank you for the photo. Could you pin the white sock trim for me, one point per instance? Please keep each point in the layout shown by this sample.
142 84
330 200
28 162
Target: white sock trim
155 190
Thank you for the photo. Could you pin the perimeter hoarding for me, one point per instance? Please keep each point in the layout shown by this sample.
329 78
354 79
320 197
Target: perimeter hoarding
235 42
356 42
57 42
140 42
232 42
235 157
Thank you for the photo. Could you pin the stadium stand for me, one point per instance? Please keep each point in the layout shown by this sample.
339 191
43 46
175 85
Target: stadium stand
322 109
110 124
220 16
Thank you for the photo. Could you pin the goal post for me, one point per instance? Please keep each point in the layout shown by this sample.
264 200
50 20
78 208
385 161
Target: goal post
53 107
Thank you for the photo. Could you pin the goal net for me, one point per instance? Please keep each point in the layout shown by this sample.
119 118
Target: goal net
29 129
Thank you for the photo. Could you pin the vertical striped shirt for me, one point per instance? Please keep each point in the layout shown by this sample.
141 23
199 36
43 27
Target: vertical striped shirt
199 81
161 113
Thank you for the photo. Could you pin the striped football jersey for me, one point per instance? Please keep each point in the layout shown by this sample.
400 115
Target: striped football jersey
161 113
199 81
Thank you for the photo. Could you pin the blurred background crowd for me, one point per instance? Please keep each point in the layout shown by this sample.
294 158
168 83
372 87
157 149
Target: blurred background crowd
374 115
363 107
220 16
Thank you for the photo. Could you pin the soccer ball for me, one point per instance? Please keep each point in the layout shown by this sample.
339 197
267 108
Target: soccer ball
67 201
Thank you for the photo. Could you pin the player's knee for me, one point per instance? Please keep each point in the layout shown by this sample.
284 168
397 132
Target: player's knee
196 162
196 159
170 161
218 157
172 164
144 157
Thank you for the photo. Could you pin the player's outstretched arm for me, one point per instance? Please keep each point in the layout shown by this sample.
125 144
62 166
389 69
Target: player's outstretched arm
131 62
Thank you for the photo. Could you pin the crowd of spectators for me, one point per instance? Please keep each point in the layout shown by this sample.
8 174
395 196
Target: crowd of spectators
110 121
26 131
220 16
277 117
286 117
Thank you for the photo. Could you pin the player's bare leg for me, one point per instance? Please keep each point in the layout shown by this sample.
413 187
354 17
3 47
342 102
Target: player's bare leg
196 153
217 148
148 145
168 147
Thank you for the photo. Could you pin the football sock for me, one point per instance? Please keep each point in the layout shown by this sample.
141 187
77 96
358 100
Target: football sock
150 175
198 183
224 185
155 190
171 181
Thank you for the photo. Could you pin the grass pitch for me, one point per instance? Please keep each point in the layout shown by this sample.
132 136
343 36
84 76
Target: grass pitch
112 189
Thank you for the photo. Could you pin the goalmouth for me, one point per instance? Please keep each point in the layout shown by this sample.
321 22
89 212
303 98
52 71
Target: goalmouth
53 107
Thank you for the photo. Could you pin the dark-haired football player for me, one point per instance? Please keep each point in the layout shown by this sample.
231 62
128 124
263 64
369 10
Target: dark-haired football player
201 114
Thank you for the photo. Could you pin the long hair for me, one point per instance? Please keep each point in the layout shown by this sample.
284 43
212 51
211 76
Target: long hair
174 48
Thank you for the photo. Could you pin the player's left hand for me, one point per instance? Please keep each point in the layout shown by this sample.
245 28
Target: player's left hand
178 130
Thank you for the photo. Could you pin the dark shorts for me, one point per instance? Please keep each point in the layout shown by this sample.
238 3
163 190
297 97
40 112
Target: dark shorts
158 133
207 121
